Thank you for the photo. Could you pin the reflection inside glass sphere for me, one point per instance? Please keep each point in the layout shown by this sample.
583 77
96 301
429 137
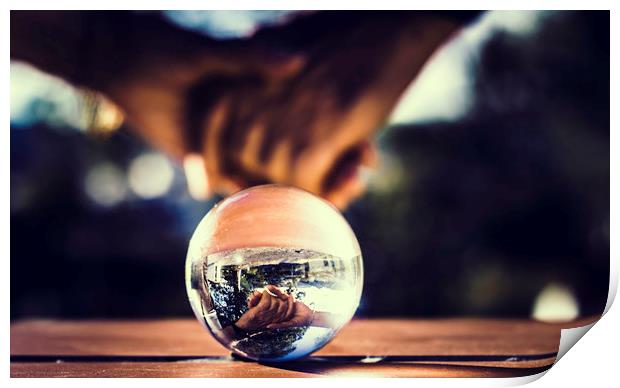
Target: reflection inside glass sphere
277 303
273 272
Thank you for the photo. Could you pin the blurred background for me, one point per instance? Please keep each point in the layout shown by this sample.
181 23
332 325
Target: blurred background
492 198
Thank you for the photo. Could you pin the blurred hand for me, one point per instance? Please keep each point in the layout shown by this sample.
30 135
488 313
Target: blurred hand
297 104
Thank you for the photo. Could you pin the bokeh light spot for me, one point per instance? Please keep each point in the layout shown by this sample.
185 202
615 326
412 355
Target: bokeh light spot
150 175
105 184
196 175
555 303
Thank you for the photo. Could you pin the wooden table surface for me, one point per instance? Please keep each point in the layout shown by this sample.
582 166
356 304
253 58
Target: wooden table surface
365 347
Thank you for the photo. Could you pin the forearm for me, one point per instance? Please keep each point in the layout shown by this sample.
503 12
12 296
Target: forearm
131 57
57 42
96 48
324 319
48 40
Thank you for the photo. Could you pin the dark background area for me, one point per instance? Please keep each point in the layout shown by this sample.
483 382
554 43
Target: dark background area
468 217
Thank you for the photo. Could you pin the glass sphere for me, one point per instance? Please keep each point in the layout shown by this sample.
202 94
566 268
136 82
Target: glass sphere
274 272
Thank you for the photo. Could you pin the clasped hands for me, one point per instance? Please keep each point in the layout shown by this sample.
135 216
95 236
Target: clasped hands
274 309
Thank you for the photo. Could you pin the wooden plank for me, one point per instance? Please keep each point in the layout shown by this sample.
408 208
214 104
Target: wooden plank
378 337
169 348
243 369
444 337
157 337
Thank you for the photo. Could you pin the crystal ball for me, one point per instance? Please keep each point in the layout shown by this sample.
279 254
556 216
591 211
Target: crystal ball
273 272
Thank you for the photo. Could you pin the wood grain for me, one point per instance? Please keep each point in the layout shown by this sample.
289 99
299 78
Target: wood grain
253 370
396 338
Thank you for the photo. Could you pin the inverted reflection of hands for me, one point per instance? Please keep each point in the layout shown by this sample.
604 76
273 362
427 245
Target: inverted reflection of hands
301 316
274 309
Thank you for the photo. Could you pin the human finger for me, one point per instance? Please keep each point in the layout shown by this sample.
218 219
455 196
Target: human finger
290 312
213 127
254 299
265 301
281 312
276 292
